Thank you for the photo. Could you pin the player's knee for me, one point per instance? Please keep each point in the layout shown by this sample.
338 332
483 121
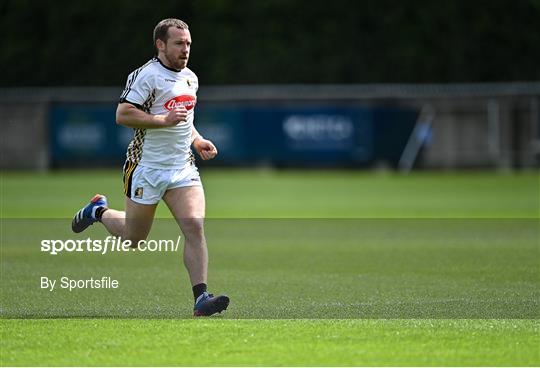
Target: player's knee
134 239
135 232
193 227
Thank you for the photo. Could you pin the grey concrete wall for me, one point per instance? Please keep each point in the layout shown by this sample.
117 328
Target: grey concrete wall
464 135
24 136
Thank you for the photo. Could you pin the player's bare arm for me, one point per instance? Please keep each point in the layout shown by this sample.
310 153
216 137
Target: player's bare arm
204 147
131 116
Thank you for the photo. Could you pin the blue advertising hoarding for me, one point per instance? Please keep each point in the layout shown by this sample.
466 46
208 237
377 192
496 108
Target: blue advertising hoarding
86 135
303 135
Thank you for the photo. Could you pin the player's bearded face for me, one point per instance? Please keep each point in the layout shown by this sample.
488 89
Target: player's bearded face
177 48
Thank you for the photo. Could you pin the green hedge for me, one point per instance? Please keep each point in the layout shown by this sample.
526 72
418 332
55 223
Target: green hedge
95 43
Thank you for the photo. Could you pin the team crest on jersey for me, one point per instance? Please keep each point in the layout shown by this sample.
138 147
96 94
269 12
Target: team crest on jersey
192 83
139 193
188 101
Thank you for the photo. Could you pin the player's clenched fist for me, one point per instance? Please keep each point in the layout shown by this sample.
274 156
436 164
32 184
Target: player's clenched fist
175 116
205 148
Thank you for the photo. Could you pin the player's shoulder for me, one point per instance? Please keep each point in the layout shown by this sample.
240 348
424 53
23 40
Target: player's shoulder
191 77
190 73
147 69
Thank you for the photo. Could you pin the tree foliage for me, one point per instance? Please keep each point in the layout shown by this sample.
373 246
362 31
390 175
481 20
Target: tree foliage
93 43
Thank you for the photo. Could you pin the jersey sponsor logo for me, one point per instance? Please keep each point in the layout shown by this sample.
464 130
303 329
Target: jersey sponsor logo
186 101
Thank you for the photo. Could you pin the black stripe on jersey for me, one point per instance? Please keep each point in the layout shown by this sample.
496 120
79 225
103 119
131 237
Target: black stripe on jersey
130 82
133 77
129 167
122 100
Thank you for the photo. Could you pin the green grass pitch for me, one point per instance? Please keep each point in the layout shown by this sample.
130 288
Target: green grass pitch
323 268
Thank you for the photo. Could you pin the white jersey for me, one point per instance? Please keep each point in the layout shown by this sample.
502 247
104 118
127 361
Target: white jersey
157 89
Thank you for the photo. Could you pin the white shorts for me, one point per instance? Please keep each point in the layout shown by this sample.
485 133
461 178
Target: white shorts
147 186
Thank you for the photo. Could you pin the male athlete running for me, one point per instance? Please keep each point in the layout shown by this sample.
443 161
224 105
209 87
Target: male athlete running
158 103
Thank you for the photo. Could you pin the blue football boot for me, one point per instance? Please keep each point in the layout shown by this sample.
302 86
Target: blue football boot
208 304
87 215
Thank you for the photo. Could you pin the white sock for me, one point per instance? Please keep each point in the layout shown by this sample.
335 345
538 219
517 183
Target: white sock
94 209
